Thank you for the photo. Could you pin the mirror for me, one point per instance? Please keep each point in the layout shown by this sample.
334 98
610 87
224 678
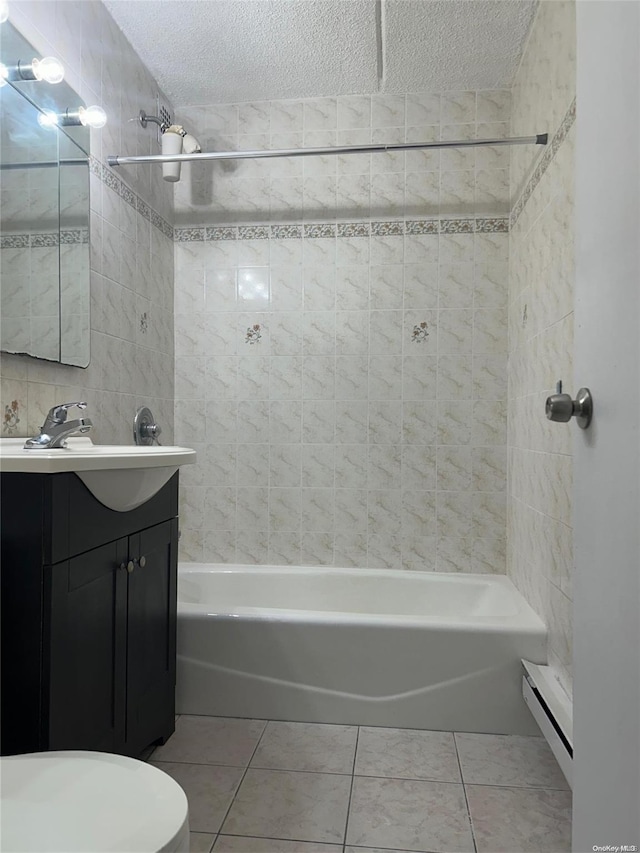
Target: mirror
44 218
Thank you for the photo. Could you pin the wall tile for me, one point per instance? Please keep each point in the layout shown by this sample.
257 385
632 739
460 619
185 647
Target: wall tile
458 107
318 465
284 510
387 110
354 111
283 549
540 322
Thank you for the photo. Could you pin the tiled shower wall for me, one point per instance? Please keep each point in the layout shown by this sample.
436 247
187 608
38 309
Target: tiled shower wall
456 182
343 375
540 534
131 240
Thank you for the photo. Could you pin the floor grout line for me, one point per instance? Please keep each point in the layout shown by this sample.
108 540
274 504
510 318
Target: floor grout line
320 843
353 778
363 775
466 799
394 849
246 770
514 787
280 838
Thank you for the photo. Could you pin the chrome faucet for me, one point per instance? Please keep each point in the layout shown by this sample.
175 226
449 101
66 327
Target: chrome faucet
56 429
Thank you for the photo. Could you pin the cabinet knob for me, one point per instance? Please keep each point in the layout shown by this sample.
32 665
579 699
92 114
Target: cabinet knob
143 562
130 566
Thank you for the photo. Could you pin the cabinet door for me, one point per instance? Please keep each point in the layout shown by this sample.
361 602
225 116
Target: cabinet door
151 647
84 696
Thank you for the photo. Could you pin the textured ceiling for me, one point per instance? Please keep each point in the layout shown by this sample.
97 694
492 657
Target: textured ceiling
217 51
432 45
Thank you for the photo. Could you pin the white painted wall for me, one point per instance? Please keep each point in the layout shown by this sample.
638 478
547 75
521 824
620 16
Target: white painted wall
607 457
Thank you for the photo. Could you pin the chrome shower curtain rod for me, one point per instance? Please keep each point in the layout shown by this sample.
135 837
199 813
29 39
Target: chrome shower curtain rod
117 160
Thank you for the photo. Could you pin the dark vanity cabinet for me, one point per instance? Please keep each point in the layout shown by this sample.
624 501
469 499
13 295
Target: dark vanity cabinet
88 617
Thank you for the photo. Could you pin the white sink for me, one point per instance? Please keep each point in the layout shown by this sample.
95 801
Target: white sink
121 477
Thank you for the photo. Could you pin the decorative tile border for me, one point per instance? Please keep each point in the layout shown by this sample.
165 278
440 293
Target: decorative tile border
549 153
253 232
387 229
457 226
286 232
128 195
108 177
192 235
14 241
78 235
320 230
44 240
491 226
157 221
143 209
397 228
353 229
222 233
422 226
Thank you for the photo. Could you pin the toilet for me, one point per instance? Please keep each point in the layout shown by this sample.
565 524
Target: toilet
90 802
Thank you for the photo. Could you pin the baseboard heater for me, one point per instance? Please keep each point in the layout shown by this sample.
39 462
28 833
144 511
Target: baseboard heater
551 709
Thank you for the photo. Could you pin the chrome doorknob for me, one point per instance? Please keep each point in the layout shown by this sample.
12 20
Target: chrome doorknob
561 408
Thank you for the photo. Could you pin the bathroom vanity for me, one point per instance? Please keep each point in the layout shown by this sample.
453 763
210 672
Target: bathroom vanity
88 615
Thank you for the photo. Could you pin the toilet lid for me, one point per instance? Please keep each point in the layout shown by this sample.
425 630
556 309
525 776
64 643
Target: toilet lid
81 802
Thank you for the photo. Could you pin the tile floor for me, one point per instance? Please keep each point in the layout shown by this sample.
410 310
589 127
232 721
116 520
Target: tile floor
274 787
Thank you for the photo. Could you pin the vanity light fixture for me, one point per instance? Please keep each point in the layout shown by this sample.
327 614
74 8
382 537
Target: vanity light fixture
84 116
49 69
92 116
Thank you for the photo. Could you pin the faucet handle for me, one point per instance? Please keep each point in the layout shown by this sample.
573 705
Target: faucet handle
58 414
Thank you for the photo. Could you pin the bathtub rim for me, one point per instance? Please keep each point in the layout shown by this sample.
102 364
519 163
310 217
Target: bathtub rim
525 621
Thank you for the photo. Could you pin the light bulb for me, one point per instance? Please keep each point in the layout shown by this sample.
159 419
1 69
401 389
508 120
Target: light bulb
92 116
85 116
49 69
48 119
4 11
4 74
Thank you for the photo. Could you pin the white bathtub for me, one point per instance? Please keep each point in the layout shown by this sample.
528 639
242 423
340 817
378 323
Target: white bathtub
369 647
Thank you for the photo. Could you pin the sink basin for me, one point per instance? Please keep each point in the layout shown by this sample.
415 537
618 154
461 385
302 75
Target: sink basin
121 477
